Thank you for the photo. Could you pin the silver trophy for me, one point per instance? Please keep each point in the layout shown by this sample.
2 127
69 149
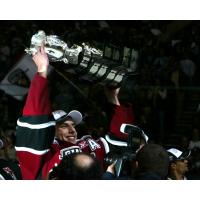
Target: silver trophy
86 61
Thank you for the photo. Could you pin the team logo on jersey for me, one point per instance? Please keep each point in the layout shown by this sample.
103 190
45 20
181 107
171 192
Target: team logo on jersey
70 150
93 145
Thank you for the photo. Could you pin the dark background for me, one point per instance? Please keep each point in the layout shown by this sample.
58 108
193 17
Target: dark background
170 121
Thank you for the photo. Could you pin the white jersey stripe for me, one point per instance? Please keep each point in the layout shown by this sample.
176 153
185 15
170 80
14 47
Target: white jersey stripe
106 146
31 150
1 177
36 126
115 142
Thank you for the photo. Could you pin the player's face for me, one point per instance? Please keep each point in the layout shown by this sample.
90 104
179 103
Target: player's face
66 131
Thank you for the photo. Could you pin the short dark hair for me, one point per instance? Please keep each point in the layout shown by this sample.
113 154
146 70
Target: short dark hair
153 158
79 166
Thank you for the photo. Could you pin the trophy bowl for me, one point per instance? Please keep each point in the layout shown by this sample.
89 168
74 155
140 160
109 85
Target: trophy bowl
85 61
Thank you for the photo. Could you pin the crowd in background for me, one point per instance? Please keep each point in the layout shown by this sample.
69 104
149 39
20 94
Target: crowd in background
168 68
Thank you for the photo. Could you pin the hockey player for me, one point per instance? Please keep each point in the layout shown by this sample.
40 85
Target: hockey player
38 148
44 137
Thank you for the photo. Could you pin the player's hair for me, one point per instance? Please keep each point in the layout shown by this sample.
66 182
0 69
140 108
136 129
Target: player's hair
79 166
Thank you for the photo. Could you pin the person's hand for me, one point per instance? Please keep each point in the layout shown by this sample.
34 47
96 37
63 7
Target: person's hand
112 95
42 62
111 168
112 92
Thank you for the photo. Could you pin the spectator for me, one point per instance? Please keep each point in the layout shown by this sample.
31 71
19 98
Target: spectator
188 67
178 164
79 166
195 140
152 163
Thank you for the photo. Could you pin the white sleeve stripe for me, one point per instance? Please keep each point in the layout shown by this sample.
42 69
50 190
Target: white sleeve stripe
106 146
36 126
115 142
31 150
1 177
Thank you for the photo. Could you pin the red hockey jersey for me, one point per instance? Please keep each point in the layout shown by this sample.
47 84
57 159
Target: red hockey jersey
37 150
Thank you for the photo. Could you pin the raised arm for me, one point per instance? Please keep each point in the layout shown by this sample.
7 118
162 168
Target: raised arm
37 102
35 129
117 113
112 95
